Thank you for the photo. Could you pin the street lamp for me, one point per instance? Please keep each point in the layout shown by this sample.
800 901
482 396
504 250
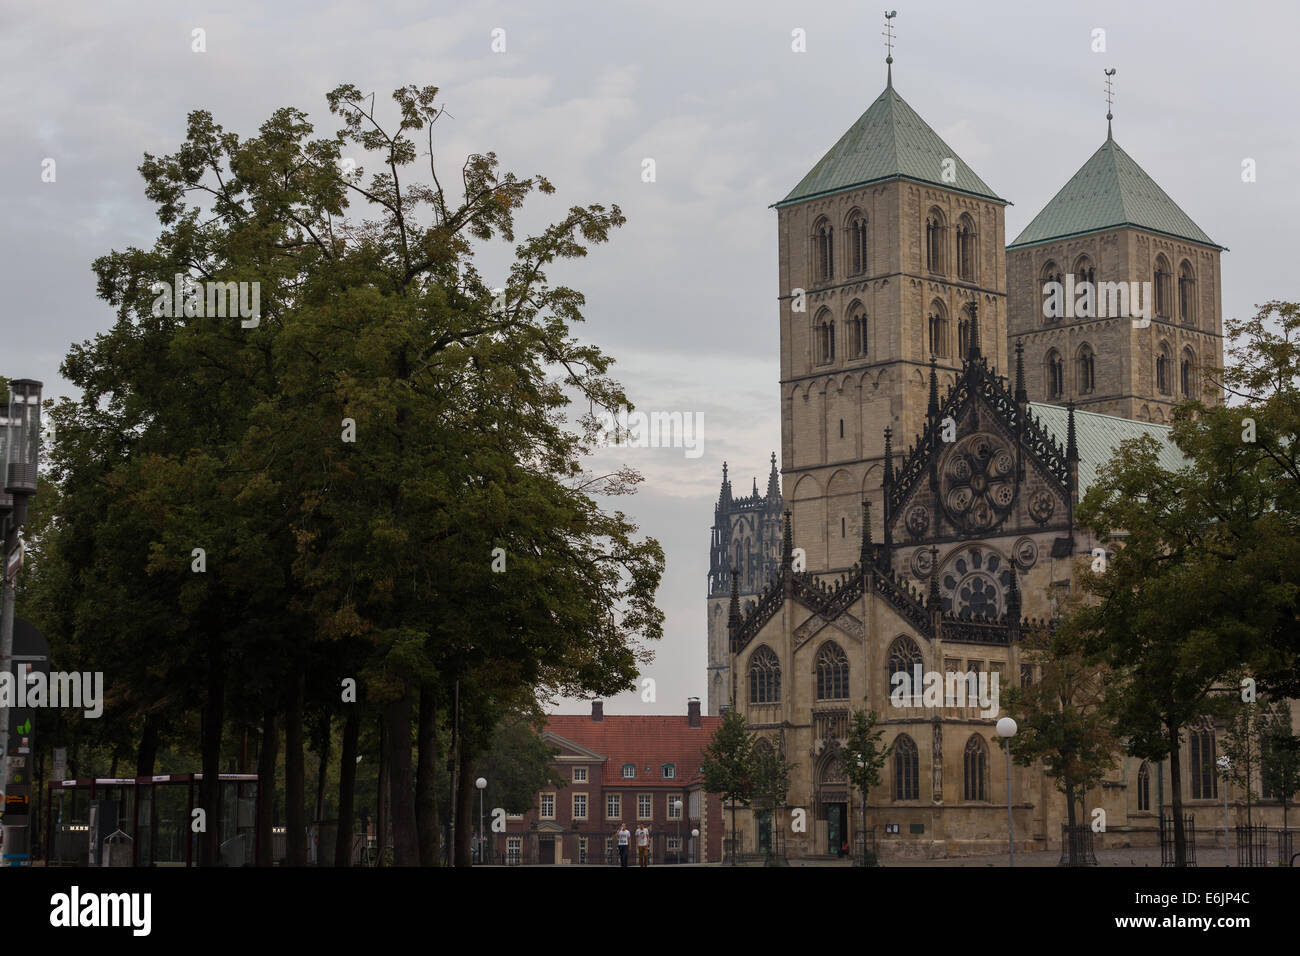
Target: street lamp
695 845
481 783
1225 765
20 447
1006 730
677 805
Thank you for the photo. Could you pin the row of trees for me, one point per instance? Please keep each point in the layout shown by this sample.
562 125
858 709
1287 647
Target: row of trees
1198 612
359 517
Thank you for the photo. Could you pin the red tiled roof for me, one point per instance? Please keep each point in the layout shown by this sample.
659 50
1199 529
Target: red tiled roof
642 740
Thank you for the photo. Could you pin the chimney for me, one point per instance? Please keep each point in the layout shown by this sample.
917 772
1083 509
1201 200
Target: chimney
597 710
693 712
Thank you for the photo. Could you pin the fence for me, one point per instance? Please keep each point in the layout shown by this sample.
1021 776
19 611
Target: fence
1168 851
866 851
1077 845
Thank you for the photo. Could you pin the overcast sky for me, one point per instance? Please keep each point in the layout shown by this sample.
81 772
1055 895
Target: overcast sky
684 297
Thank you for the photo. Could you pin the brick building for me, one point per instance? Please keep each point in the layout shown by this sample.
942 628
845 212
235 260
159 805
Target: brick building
621 768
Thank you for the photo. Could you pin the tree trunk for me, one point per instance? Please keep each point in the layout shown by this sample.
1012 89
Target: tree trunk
295 817
465 809
1176 785
426 797
381 810
406 843
347 786
323 732
1070 822
210 785
266 761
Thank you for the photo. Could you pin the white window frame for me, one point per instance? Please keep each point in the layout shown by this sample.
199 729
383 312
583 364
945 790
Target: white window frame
614 799
585 805
626 768
669 771
673 812
514 849
579 774
647 800
541 806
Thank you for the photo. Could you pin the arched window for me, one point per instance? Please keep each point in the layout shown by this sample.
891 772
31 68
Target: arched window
825 334
1144 787
857 243
824 249
1187 372
1161 287
764 677
832 672
976 768
857 330
907 769
938 323
904 656
1205 783
1162 368
963 332
1086 369
936 234
1051 272
1055 374
966 247
1186 293
1084 271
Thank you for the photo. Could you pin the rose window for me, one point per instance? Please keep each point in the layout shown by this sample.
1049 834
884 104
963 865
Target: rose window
978 483
976 583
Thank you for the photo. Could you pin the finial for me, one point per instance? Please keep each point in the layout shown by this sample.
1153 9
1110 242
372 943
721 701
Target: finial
889 455
1110 97
867 546
889 48
932 410
733 617
773 481
934 577
1071 446
787 548
756 486
974 332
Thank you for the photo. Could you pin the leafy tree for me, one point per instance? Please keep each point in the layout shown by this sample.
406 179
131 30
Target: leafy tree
1279 766
729 767
517 765
771 787
1060 719
864 758
1242 743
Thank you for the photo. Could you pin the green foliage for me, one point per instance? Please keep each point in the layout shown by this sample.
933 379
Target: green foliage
729 766
1279 766
863 755
517 765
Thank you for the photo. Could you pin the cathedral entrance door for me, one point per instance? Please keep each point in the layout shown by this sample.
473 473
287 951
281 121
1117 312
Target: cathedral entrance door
836 815
764 820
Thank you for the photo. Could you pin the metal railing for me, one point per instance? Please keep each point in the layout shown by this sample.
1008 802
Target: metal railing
1077 847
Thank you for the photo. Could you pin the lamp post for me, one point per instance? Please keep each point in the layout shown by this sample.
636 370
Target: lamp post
695 845
677 805
20 446
481 783
1225 765
1006 730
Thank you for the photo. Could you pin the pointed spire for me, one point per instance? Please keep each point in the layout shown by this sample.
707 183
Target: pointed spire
889 456
934 577
787 545
974 353
733 617
867 548
773 481
724 496
1021 395
932 411
889 48
1013 600
1071 445
756 486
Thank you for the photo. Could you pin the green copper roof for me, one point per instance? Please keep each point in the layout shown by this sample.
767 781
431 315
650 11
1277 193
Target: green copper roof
1110 190
888 141
1097 437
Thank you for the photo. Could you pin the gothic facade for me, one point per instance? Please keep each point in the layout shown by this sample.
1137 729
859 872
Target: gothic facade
927 507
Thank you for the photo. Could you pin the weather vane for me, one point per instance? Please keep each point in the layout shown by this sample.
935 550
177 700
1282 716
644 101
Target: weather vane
889 44
1110 97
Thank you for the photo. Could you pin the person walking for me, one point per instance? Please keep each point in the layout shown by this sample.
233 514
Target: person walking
623 839
643 844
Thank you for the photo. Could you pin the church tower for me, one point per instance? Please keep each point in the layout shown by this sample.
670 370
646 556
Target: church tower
1111 233
884 246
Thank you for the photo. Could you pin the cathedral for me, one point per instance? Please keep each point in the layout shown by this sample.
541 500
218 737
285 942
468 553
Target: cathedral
939 426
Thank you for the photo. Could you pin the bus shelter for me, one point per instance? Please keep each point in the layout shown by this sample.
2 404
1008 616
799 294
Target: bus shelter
153 813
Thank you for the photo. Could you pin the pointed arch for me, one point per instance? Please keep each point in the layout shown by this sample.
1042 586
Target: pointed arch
1084 270
857 326
1187 373
975 769
1054 374
805 488
824 337
937 319
963 331
907 769
832 669
1144 787
1162 278
764 676
1205 782
1164 362
904 657
967 248
855 227
823 244
1186 293
936 240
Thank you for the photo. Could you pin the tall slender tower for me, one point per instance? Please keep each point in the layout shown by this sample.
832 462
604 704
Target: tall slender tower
883 247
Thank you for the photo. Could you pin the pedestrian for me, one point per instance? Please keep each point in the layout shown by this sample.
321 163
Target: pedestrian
643 844
623 837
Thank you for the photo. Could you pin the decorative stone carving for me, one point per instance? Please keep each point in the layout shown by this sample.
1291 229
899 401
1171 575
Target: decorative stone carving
918 520
936 763
1041 505
977 486
975 582
922 562
1025 553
